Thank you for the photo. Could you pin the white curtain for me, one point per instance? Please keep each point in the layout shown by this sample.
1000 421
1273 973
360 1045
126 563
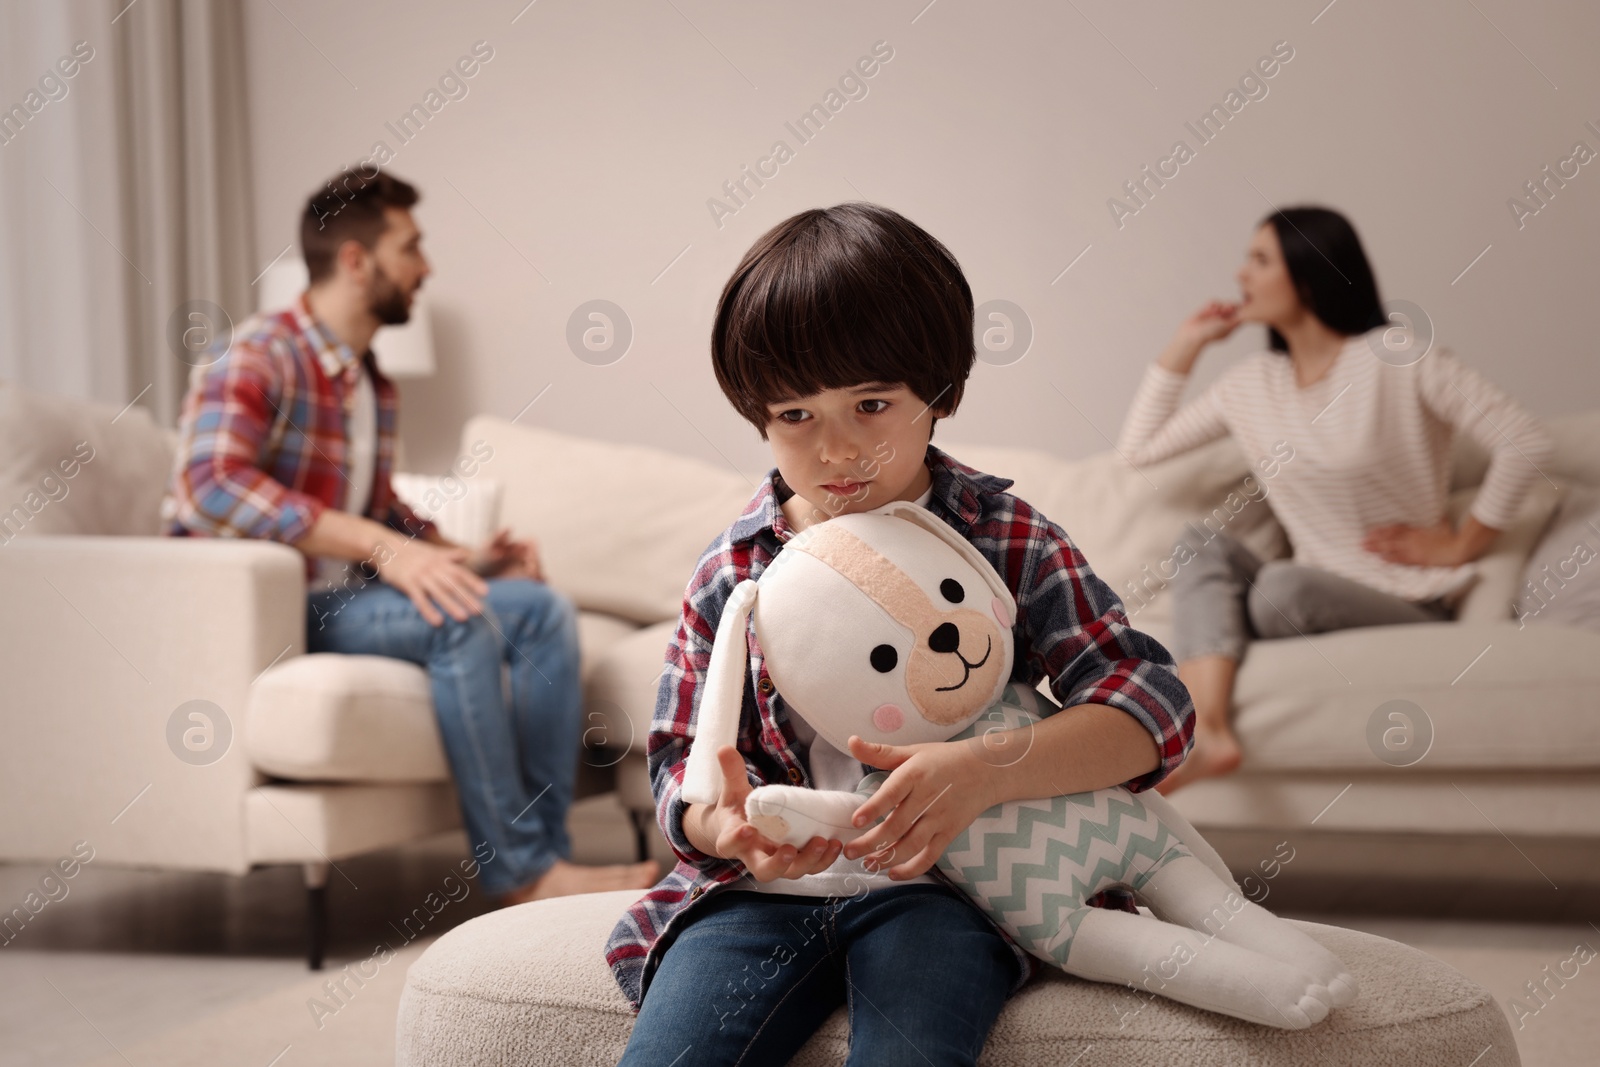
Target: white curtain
124 190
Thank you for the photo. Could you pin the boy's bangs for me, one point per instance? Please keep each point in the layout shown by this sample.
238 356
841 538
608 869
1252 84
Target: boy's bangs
798 336
840 297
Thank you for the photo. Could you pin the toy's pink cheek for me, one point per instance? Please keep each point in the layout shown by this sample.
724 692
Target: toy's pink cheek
888 718
1001 611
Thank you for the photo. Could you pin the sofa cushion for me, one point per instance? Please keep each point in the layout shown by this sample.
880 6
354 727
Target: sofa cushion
307 822
70 466
332 717
529 985
598 633
619 527
466 509
1126 521
1561 581
620 697
1493 596
1542 811
1527 698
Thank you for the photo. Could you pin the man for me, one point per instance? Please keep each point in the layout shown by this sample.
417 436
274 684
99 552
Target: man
289 435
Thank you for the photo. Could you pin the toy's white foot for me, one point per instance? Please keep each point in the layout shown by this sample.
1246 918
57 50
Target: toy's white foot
792 815
1186 892
1344 990
1161 959
1308 1011
774 826
1269 935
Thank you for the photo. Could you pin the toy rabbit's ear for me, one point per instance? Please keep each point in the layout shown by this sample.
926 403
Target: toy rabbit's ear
920 515
722 698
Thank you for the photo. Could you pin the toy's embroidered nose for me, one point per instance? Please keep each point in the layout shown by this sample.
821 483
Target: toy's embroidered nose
945 638
888 718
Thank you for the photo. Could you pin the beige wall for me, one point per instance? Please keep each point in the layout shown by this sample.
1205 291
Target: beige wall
579 165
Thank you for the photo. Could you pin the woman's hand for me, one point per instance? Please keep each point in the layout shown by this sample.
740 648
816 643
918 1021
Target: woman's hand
1430 546
933 793
734 838
1212 322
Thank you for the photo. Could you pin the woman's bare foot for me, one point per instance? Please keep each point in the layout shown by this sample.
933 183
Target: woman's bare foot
1216 750
567 879
1215 753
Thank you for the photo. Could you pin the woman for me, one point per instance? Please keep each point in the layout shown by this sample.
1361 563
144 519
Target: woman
1361 435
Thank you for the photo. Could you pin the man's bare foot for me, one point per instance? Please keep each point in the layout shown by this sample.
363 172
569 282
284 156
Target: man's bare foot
1215 753
566 879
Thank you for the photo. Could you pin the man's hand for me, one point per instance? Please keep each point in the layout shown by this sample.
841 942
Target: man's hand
505 558
433 575
935 792
734 838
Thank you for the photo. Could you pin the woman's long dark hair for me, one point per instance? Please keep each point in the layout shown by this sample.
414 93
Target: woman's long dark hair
1329 269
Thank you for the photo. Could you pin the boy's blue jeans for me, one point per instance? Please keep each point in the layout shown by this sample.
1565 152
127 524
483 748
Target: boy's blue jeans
753 975
514 755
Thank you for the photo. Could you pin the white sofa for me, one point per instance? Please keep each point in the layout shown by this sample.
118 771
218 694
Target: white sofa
1514 713
110 628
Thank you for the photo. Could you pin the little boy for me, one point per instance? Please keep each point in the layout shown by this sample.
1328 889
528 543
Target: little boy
843 336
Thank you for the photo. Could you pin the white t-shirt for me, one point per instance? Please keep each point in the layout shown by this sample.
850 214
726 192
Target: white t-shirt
834 769
361 468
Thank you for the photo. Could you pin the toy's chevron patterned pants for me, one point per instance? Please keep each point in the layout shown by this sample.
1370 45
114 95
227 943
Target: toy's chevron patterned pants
1031 864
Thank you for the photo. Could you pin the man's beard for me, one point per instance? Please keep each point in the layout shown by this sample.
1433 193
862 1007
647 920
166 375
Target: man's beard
386 301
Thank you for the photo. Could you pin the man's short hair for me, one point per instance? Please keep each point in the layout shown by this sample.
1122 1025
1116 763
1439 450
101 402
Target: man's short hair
349 207
837 297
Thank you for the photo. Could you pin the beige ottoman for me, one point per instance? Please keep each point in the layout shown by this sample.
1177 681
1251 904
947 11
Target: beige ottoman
529 986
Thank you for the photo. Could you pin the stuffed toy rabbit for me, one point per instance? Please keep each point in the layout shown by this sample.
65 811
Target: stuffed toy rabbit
888 624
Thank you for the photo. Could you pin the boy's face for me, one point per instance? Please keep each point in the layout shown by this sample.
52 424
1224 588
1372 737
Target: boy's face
854 449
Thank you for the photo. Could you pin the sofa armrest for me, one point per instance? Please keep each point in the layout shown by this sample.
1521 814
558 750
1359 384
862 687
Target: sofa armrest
102 640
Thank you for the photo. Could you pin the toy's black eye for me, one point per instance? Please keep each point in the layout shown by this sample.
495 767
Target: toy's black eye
952 590
884 658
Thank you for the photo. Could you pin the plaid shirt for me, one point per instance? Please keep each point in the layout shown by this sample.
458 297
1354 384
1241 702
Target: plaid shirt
1070 628
264 436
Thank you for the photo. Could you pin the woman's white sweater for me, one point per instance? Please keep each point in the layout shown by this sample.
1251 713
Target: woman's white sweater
1367 445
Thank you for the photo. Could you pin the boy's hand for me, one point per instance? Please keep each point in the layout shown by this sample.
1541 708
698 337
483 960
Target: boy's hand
736 839
936 791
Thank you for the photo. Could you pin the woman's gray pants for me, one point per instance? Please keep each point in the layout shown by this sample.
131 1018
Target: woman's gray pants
1223 596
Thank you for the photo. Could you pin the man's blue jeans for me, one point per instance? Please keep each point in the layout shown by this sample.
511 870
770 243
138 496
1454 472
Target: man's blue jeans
752 976
514 754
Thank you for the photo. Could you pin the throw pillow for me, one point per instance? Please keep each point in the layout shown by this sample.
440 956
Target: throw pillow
1561 583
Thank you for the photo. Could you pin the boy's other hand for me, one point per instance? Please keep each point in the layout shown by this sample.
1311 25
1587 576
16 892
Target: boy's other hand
933 793
435 575
737 839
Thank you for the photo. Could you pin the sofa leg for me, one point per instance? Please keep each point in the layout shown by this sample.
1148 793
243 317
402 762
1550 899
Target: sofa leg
641 835
316 875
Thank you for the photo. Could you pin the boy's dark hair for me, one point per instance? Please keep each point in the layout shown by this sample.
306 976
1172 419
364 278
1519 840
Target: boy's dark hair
837 297
348 208
1329 268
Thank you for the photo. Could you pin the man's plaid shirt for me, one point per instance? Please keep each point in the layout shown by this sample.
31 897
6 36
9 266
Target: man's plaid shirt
263 439
1070 628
